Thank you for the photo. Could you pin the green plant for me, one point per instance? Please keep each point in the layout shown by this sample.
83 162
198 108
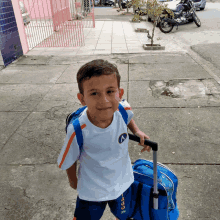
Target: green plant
157 10
137 4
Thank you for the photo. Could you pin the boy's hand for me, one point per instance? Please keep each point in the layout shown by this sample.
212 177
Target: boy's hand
74 184
143 136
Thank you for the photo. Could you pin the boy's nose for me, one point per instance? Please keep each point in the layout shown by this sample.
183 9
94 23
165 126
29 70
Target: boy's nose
104 99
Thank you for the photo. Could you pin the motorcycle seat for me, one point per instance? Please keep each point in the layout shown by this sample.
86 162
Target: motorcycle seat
179 8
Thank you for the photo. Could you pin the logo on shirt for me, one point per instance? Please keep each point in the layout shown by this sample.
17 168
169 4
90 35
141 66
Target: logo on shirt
122 137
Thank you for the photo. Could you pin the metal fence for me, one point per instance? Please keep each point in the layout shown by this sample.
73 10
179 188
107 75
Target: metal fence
56 23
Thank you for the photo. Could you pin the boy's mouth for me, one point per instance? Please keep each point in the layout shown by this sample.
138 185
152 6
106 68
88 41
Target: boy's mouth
104 108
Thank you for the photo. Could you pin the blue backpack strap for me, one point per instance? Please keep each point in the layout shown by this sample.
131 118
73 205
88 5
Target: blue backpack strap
72 116
123 113
78 130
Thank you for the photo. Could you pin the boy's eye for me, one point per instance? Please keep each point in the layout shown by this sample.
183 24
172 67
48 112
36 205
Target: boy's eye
94 93
110 91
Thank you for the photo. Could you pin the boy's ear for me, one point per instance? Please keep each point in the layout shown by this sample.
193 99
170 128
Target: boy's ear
81 98
121 93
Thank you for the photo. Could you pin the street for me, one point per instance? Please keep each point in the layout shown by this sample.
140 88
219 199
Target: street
209 32
188 34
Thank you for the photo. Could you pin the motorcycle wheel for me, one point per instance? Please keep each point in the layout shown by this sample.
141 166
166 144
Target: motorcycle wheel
165 27
196 20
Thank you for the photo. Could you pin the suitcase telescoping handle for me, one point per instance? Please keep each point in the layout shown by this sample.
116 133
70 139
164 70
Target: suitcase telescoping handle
154 147
152 144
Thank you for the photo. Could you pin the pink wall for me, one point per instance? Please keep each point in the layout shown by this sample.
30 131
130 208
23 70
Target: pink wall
38 9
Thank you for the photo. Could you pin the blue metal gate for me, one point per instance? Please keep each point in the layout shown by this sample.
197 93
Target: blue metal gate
10 43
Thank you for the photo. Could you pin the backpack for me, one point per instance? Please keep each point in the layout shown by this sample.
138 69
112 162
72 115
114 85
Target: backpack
73 118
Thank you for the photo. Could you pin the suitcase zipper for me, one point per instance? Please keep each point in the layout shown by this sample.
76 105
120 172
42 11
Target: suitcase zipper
172 189
162 165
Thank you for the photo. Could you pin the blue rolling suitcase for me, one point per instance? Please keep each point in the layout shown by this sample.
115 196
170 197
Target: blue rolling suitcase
154 189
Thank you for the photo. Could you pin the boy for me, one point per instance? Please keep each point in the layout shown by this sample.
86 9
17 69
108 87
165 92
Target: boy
105 174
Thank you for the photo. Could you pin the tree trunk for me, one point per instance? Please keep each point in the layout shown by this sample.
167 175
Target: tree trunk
152 36
120 5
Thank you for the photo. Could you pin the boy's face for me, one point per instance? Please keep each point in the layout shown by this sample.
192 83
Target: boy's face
102 96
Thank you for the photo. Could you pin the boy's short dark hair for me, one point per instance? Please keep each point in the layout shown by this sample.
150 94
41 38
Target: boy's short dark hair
96 68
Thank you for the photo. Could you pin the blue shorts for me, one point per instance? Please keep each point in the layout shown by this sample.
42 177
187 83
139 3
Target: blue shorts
88 210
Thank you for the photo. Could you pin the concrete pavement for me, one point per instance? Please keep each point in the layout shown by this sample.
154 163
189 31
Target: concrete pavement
176 101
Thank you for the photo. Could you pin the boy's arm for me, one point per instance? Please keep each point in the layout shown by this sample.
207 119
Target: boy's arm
133 127
135 130
71 173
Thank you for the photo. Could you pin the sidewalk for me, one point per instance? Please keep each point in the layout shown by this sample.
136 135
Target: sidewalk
175 100
178 106
109 37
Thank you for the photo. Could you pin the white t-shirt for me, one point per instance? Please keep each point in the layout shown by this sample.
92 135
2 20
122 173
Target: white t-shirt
105 170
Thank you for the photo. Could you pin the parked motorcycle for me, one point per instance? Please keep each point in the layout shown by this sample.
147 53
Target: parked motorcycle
184 12
109 2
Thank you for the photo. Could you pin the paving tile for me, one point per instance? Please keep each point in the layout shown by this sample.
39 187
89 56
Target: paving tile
91 41
65 53
102 51
35 52
85 52
135 46
105 37
62 92
136 50
103 46
119 50
172 58
166 71
21 97
133 43
31 74
69 75
174 93
118 41
38 48
10 121
70 48
115 35
65 60
55 48
88 46
31 179
129 34
127 38
33 59
185 134
38 132
104 41
93 35
121 46
50 53
107 32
